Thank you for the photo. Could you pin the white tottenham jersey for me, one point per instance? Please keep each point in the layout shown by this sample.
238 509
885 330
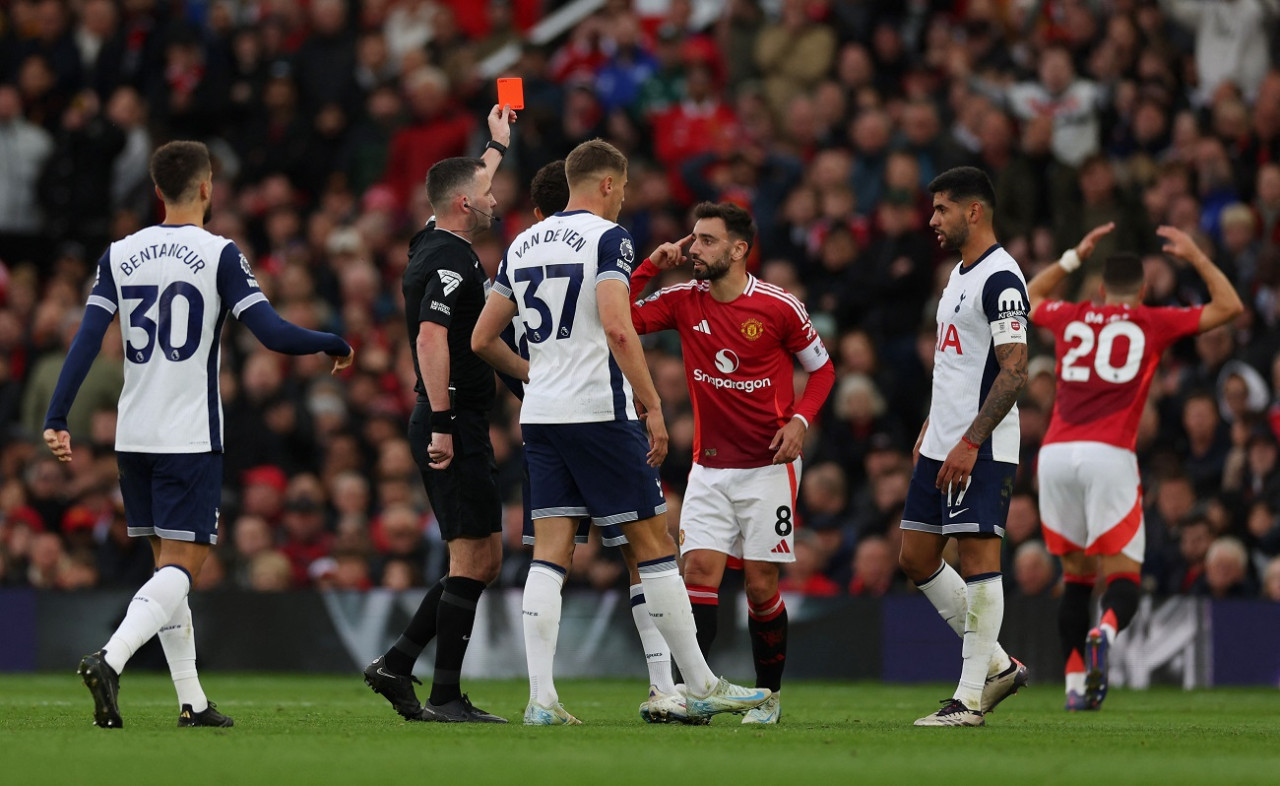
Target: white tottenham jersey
983 305
551 271
173 286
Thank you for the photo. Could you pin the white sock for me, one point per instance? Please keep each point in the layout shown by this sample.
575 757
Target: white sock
178 637
1108 632
668 602
150 609
948 594
542 628
656 653
1075 682
982 627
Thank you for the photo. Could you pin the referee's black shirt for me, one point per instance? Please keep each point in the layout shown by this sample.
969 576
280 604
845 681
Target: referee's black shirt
445 284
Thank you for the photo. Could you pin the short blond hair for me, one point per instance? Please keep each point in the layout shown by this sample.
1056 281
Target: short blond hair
595 157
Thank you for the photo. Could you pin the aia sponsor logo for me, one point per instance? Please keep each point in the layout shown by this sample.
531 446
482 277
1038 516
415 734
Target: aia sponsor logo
948 338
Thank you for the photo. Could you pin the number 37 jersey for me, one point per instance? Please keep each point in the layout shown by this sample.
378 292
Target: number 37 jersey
1106 358
551 271
173 286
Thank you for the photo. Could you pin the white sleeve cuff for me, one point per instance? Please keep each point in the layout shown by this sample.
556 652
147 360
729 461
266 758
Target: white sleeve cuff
802 419
606 275
255 298
102 303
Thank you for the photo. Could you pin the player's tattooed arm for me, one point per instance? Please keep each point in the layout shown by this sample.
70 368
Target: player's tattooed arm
1004 393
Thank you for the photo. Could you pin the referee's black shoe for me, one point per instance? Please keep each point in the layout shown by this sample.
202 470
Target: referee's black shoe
460 710
209 716
395 688
104 684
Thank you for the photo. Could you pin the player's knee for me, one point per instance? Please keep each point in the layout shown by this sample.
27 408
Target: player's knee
699 570
761 580
914 566
761 589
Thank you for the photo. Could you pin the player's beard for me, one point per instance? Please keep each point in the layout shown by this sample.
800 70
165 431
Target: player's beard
710 272
954 241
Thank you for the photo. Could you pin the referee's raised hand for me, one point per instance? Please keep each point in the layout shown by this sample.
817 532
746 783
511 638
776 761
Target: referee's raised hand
500 120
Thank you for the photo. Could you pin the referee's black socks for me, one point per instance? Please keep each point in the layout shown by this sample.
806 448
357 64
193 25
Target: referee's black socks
422 629
454 620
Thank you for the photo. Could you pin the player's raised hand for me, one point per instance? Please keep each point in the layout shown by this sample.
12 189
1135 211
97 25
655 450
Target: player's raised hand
1085 247
59 442
343 363
656 425
500 120
669 255
956 470
1179 243
788 442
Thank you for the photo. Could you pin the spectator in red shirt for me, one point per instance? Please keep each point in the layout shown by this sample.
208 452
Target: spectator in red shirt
699 123
306 539
438 131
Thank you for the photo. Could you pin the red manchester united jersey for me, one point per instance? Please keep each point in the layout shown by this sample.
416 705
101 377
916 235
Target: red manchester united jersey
1107 356
738 361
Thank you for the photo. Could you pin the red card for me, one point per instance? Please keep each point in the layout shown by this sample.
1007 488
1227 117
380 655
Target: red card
511 92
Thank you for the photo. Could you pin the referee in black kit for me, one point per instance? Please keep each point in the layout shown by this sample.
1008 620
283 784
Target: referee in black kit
444 292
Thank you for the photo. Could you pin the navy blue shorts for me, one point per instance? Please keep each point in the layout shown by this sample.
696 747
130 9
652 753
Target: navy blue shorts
610 534
172 495
591 469
981 508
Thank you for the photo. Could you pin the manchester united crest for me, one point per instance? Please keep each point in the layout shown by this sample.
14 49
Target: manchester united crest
752 329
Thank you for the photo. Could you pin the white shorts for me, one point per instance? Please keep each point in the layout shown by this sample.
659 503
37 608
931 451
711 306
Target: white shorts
745 513
1091 499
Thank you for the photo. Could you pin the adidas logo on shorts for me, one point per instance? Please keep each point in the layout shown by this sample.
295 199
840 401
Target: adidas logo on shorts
781 548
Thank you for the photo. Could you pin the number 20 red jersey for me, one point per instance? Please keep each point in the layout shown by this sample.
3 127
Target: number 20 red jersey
1106 358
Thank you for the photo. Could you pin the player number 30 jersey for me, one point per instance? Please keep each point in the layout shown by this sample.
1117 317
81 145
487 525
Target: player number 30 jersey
173 287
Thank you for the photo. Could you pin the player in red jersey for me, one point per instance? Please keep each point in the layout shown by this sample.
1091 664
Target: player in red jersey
740 338
1090 493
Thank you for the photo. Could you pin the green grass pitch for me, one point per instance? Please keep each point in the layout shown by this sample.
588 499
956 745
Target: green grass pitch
294 729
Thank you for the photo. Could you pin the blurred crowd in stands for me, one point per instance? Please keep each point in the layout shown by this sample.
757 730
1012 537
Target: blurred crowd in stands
827 119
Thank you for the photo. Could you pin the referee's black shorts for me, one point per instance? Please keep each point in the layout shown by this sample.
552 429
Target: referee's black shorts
464 495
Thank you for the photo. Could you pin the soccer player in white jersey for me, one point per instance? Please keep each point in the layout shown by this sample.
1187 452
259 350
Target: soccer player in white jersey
549 192
174 285
1090 489
967 452
741 339
567 277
